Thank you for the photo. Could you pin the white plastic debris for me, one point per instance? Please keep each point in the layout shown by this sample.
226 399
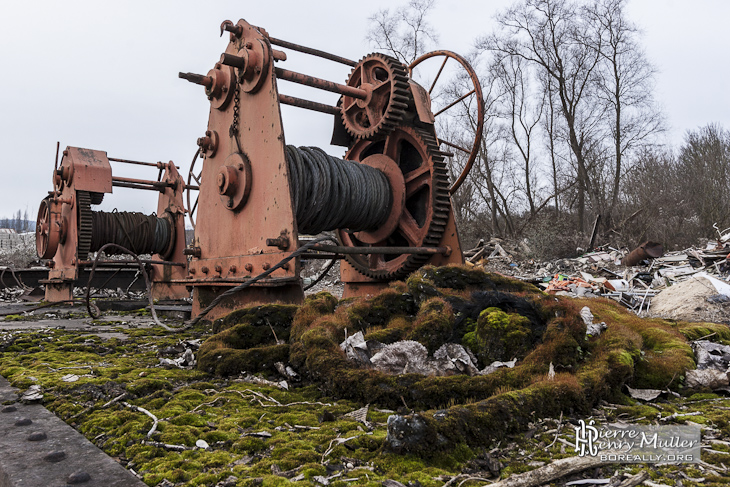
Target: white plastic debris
202 444
592 329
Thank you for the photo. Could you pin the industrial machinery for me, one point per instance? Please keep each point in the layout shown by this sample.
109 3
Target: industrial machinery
388 200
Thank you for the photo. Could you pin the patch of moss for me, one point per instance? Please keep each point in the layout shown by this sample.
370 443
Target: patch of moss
277 316
433 325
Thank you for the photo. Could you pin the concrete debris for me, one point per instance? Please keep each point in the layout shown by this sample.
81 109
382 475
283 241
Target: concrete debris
411 357
712 378
713 366
185 361
711 355
32 394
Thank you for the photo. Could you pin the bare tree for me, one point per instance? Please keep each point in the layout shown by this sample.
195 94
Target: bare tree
553 37
625 82
521 107
404 33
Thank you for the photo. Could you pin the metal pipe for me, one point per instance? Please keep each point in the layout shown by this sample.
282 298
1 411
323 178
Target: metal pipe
159 165
322 84
381 250
161 184
198 79
308 104
135 186
313 52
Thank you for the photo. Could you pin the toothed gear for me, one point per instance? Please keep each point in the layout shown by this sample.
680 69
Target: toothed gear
83 200
96 198
386 81
427 207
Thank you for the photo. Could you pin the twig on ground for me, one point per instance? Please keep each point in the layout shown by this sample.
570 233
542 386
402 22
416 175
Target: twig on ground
115 400
553 471
143 410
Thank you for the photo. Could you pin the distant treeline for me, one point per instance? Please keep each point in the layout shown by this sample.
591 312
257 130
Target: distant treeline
19 222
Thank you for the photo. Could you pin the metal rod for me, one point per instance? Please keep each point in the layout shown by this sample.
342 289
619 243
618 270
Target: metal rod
198 79
135 186
311 51
127 161
381 250
161 184
308 104
453 103
454 145
192 186
446 58
322 84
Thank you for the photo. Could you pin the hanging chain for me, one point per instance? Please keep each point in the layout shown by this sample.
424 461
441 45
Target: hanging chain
233 130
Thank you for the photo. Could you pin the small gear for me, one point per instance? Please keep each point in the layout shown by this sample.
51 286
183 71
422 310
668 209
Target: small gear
385 79
427 206
96 198
83 200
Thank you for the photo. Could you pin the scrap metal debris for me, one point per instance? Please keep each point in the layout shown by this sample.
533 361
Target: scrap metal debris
643 287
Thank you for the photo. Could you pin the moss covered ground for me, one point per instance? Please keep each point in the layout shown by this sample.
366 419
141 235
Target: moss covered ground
481 426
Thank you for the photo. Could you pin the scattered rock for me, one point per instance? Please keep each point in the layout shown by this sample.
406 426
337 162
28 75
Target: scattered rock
711 378
405 432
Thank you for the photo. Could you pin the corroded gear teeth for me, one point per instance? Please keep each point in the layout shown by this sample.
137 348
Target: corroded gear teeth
438 208
357 120
84 218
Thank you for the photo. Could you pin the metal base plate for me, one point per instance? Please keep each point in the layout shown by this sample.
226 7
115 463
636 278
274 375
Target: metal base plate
26 463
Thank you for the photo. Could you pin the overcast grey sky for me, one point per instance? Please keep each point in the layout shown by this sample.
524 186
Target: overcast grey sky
103 75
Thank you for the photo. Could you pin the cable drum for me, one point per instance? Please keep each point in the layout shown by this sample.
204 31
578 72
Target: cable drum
143 234
331 193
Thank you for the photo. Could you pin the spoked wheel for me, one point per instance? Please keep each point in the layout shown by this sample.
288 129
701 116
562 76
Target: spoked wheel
49 228
425 212
476 92
193 184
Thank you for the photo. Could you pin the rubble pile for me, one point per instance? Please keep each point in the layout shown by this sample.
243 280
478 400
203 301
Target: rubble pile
690 285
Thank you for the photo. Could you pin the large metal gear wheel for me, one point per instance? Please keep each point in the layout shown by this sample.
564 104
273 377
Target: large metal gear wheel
83 202
427 202
49 229
385 79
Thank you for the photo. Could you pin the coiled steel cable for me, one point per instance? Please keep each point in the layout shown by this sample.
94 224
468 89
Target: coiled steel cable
331 193
143 234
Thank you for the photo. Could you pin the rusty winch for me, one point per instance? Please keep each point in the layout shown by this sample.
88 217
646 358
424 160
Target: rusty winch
253 197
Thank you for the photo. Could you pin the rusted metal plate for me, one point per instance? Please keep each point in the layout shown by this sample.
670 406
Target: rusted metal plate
92 171
38 449
233 238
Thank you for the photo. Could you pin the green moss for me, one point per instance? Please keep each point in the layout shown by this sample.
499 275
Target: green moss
278 316
228 361
433 325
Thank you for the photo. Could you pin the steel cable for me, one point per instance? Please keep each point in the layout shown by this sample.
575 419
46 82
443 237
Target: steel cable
148 285
330 193
143 234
